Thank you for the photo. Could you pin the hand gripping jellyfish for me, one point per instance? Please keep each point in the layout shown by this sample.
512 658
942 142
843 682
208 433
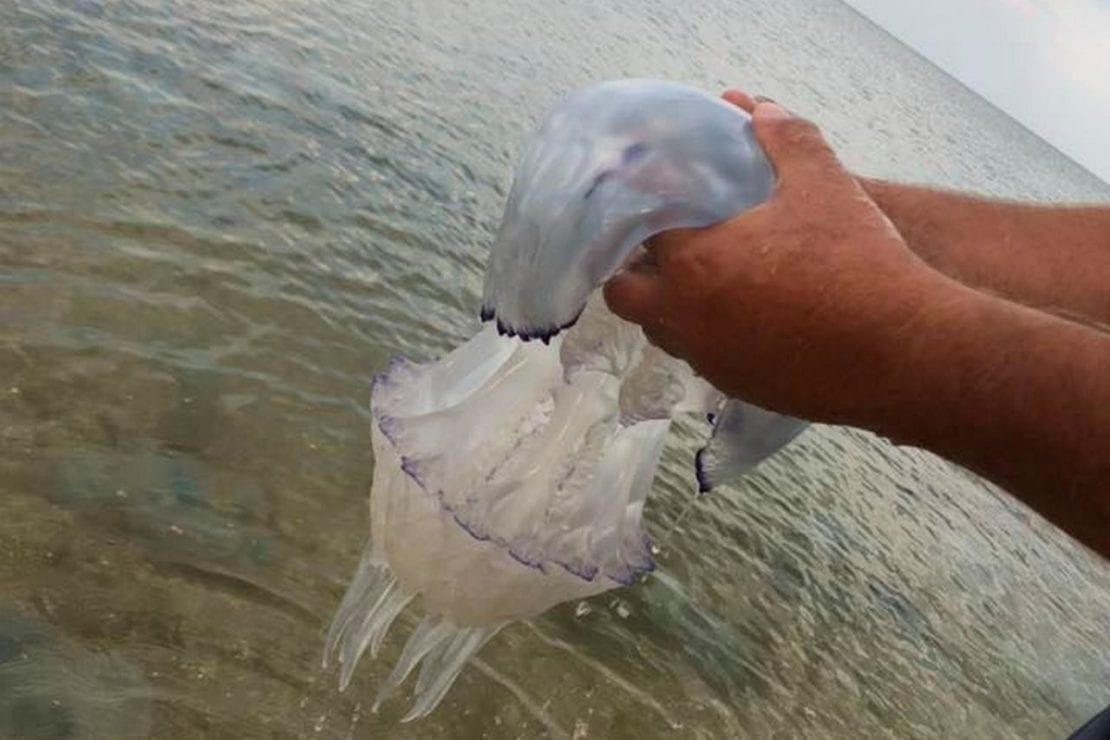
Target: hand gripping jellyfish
511 475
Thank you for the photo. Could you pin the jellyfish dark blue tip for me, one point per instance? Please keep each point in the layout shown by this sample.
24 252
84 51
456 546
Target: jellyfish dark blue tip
704 485
542 334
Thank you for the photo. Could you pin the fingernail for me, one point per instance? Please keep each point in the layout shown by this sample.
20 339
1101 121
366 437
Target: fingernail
762 99
770 110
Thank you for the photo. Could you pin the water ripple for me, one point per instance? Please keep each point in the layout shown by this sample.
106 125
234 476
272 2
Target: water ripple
217 221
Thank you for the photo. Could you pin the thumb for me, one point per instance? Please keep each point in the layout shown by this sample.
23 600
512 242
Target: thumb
794 146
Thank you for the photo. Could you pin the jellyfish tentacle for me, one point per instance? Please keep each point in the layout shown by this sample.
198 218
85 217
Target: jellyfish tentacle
426 635
371 629
437 675
370 572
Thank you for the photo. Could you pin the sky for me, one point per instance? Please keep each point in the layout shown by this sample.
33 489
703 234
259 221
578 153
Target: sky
1045 62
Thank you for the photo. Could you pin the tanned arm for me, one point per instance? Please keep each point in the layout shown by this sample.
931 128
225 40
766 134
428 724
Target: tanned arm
1056 258
1018 395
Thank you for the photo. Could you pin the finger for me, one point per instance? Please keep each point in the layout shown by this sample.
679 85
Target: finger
635 295
740 99
795 146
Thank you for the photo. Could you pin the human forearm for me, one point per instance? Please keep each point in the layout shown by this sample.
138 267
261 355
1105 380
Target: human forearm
1046 256
1017 395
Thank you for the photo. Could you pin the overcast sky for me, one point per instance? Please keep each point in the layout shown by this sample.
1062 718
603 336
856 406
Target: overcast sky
1045 62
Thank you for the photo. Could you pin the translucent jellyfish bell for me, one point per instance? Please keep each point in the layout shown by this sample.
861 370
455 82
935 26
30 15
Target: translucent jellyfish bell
612 165
511 475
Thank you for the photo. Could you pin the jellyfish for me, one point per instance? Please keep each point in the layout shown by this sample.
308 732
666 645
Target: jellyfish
511 475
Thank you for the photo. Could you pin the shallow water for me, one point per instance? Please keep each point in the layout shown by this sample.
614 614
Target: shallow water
216 223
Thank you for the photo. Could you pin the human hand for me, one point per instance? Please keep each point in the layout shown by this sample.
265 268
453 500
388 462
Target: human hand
813 305
800 304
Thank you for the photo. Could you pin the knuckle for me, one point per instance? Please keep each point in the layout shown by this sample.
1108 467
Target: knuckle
807 137
803 127
794 128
